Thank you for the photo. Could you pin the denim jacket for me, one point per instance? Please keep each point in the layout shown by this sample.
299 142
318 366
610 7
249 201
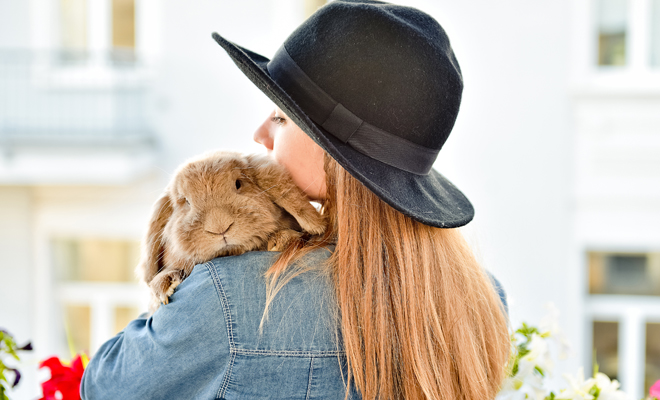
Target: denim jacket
207 343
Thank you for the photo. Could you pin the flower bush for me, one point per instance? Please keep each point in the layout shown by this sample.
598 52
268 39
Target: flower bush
9 349
532 362
64 382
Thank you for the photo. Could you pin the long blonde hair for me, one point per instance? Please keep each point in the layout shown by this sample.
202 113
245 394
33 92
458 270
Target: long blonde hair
419 317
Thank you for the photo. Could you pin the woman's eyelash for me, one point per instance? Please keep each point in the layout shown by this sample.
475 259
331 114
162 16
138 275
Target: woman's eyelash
278 120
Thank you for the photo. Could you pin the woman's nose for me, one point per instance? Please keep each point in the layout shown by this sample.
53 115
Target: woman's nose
263 134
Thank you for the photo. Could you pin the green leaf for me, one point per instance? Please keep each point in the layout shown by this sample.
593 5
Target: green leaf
523 352
594 391
514 369
539 370
8 347
595 363
527 330
2 372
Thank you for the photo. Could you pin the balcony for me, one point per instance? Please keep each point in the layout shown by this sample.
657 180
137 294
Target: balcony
73 118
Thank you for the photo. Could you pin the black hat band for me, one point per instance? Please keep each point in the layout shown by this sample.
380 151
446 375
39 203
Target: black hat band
346 126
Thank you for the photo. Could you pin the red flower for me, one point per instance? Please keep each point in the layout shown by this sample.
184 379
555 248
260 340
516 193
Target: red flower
64 382
655 390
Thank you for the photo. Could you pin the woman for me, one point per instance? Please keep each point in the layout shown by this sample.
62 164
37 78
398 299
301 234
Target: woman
390 302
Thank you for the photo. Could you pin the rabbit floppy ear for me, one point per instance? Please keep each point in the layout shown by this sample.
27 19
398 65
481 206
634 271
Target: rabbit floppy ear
279 186
153 251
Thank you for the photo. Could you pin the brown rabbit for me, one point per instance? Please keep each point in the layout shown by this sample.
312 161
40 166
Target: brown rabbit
220 204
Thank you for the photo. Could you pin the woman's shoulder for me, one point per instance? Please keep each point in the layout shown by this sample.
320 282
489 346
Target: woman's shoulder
301 316
249 269
264 259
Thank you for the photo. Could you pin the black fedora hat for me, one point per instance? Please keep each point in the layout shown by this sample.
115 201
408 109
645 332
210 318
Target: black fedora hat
378 87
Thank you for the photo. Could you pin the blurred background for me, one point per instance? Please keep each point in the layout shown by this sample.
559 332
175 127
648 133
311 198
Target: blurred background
557 145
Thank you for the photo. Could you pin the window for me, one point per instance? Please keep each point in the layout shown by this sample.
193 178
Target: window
606 345
652 355
98 292
98 31
626 274
123 30
622 43
73 30
655 34
624 314
611 16
605 340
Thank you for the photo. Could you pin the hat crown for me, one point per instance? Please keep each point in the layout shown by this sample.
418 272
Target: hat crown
390 65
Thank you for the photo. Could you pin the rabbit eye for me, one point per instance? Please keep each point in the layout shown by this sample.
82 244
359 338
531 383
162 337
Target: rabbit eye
238 184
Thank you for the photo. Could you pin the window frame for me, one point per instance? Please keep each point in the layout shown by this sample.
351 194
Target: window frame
637 76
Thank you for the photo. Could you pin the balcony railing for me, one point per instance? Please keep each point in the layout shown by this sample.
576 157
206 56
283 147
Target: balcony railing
72 98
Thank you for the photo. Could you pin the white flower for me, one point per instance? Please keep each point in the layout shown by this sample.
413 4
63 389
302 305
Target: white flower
609 390
526 384
508 392
550 322
578 387
549 326
516 389
539 354
537 363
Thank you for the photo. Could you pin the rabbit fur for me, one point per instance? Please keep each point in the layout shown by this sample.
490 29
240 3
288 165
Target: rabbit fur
220 204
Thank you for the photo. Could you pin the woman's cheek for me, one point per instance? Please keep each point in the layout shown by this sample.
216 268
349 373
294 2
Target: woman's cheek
303 159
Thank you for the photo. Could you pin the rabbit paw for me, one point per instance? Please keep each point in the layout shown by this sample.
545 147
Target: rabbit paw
313 222
279 240
163 285
165 297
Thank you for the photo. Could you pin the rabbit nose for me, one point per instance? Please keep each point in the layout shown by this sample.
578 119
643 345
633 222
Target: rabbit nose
218 230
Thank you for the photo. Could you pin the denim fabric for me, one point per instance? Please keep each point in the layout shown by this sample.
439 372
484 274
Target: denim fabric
206 343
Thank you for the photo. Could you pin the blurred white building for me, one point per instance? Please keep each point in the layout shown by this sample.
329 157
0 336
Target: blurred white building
557 145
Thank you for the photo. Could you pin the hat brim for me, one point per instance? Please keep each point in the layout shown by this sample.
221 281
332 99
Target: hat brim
430 199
